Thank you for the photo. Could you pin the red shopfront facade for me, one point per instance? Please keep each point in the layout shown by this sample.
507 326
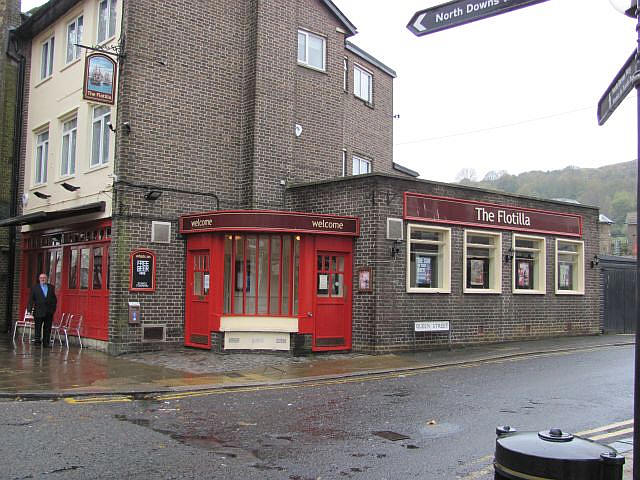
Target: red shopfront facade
76 259
256 278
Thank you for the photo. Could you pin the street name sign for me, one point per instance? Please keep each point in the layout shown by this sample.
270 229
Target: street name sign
459 12
622 84
442 326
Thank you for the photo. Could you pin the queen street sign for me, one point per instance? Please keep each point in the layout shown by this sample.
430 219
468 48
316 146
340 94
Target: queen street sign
622 84
459 12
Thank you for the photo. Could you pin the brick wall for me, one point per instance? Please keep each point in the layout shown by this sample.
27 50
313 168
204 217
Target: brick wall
383 320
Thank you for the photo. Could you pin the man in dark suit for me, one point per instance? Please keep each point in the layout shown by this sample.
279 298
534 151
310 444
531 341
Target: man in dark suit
43 301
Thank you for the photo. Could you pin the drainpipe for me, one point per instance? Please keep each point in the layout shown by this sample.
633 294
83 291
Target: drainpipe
15 177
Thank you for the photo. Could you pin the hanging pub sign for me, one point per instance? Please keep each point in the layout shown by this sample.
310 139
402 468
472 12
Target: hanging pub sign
142 271
100 73
430 208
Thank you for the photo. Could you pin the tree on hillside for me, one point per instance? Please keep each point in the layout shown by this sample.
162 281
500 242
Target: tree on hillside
467 174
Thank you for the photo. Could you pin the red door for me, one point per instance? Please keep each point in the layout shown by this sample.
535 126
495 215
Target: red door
198 299
332 329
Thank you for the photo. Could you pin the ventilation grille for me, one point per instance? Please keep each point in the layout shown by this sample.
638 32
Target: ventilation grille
153 334
161 232
395 229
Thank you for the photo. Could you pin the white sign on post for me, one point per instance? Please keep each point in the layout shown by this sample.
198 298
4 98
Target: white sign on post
442 326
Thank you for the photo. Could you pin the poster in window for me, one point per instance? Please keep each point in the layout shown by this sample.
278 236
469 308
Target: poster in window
323 284
364 280
423 271
142 271
524 274
476 274
100 78
565 274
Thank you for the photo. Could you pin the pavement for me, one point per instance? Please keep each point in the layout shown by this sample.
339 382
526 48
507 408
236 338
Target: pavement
29 372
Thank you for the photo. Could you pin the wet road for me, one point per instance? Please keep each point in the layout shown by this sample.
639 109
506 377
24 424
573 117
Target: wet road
431 425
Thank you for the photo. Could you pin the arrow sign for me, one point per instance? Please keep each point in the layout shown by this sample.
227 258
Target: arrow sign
459 12
624 82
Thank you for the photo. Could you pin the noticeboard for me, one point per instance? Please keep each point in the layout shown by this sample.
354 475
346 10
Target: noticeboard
142 271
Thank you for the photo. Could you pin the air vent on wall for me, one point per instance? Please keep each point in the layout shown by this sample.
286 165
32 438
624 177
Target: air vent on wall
395 229
153 333
161 232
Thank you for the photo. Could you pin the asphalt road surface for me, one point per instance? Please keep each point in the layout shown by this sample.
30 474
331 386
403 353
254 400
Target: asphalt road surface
438 424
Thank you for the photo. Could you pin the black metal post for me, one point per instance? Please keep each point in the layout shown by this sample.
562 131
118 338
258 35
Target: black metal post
636 387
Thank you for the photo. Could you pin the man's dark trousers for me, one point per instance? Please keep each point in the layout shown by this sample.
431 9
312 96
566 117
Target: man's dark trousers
43 309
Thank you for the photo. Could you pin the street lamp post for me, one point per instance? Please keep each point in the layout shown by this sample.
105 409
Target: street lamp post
630 8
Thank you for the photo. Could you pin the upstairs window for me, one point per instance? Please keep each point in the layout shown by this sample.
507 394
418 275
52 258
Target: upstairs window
100 136
311 50
69 140
361 166
74 36
362 83
41 158
46 65
106 19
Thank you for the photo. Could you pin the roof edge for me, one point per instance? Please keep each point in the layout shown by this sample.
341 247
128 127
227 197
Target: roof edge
369 58
341 16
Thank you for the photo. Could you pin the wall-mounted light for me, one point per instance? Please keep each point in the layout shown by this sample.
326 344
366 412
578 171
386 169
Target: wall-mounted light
41 195
595 261
126 127
509 255
395 249
68 186
153 195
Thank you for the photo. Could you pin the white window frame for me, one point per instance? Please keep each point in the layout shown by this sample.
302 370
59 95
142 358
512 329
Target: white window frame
359 161
359 74
344 162
71 134
47 57
41 158
103 158
578 274
77 38
444 256
112 12
538 252
304 60
495 261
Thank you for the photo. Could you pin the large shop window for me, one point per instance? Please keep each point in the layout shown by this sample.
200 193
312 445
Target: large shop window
261 274
428 259
483 262
569 267
529 264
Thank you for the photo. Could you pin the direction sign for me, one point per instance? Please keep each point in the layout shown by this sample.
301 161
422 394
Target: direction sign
459 12
624 82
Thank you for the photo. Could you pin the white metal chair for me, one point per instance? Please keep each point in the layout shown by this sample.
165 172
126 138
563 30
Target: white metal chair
26 322
74 324
58 324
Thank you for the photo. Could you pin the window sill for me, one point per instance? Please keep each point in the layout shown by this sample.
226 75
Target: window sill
65 178
367 103
311 67
43 81
98 167
70 64
481 291
528 292
429 290
569 292
105 41
37 186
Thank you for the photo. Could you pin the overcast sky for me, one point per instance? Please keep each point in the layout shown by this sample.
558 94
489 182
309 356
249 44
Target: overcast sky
514 92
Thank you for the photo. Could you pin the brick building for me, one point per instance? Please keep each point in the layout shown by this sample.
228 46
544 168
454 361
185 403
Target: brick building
225 180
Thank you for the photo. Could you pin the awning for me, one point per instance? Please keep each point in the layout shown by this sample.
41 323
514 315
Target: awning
39 217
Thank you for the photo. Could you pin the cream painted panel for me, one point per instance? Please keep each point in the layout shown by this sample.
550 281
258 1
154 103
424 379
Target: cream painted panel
53 101
259 324
256 341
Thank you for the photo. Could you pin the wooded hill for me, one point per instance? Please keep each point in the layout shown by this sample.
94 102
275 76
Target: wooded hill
612 188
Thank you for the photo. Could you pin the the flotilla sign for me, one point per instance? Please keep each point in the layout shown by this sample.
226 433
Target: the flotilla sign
459 12
622 84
